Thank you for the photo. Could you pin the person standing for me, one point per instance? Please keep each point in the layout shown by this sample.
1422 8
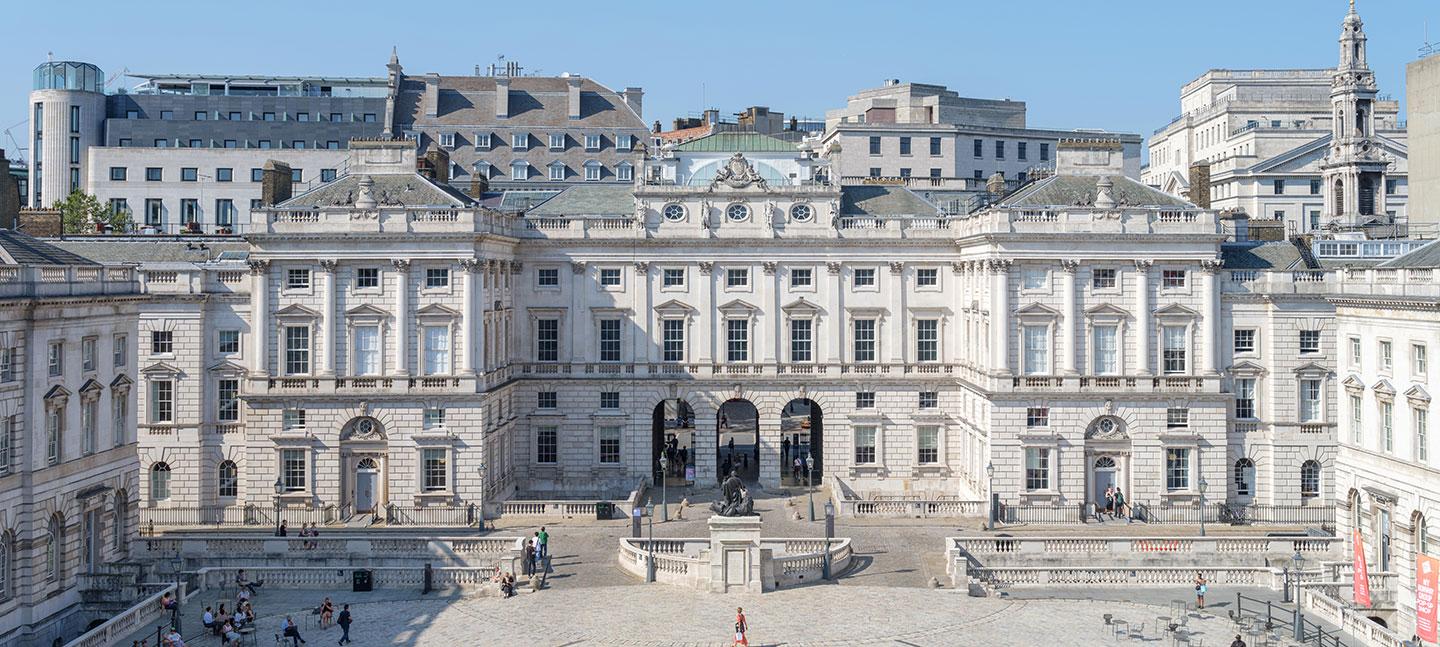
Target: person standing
529 565
344 622
1201 586
1121 508
1237 642
740 628
544 543
1109 503
284 529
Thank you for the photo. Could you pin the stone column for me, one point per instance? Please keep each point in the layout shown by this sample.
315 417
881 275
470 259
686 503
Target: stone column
767 323
643 342
402 317
259 316
482 291
896 348
569 353
1069 361
954 349
330 293
1208 270
1000 315
835 313
1142 316
469 268
705 344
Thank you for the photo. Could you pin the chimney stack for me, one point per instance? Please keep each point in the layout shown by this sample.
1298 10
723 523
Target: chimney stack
9 195
435 165
276 183
432 95
1200 184
502 97
634 97
712 117
574 83
996 183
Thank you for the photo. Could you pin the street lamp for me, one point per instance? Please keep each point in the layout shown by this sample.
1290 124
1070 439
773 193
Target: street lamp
1203 486
279 490
829 532
480 473
810 482
994 497
1299 633
650 563
664 478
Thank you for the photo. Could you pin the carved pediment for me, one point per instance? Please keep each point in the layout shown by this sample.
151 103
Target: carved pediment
1353 383
91 387
801 306
738 306
437 311
367 311
675 307
1247 368
1175 311
1037 311
121 382
296 311
57 392
160 368
1383 388
1312 369
1418 395
226 366
1107 310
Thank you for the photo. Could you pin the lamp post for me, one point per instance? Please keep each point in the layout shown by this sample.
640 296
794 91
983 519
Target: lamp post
279 490
829 532
810 482
480 474
664 478
994 497
1299 623
650 563
1203 486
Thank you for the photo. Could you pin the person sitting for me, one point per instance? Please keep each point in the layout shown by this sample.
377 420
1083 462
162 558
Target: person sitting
243 582
173 639
168 603
208 621
232 637
327 611
289 630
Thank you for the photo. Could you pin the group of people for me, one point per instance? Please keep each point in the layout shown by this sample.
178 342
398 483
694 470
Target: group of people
677 456
505 580
537 550
309 531
326 611
1116 505
227 625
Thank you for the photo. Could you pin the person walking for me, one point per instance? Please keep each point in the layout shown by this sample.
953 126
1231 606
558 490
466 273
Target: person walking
544 543
344 622
284 529
1201 586
740 628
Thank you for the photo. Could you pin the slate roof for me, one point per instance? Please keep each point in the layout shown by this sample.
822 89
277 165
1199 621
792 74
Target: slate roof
1073 190
1425 257
588 200
143 249
469 101
400 189
1262 255
23 249
883 201
736 142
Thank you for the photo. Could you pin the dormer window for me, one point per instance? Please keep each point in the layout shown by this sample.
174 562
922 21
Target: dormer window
557 142
592 143
519 170
557 171
447 140
624 142
592 171
625 172
520 141
482 141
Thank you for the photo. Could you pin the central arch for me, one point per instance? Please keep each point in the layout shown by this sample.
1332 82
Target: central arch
672 434
802 427
737 440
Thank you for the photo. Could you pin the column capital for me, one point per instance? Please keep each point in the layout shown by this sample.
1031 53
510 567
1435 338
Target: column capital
577 267
1211 266
706 267
1143 264
833 268
642 267
258 265
516 267
957 267
768 267
1069 265
998 265
401 265
897 267
470 265
329 265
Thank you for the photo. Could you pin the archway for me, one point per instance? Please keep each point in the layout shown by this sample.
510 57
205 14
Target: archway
673 436
364 447
737 440
801 436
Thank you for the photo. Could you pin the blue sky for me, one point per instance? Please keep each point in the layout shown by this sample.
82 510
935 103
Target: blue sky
1115 64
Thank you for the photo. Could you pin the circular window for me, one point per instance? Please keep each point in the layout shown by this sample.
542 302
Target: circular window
673 212
737 212
801 213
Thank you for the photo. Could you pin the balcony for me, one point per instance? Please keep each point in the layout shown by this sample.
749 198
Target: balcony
383 220
41 281
1115 383
693 370
362 385
1084 220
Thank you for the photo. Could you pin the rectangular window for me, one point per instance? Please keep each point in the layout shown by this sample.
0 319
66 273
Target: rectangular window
297 350
864 340
546 400
1314 187
801 340
162 342
674 339
610 276
928 399
1020 150
864 399
874 145
737 277
189 210
120 350
927 441
327 175
435 470
609 445
437 350
54 435
624 142
1279 187
547 277
874 171
609 340
547 445
979 146
1044 152
864 277
1387 425
1387 356
367 349
520 141
904 145
1245 403
623 172
297 279
1036 340
927 340
592 143
437 277
737 340
1103 279
88 411
864 445
800 278
447 140
999 149
1107 355
1310 403
292 470
1172 279
934 146
153 174
1177 469
367 278
257 175
1421 417
1309 341
1357 419
7 430
189 174
927 276
1419 361
1034 278
1174 349
610 400
1177 418
292 419
118 173
1037 417
55 358
87 354
1037 468
433 419
1245 341
162 401
1355 352
224 175
547 340
227 398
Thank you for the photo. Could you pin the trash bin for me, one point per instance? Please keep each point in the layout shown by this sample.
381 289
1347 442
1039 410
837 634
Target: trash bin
364 581
604 510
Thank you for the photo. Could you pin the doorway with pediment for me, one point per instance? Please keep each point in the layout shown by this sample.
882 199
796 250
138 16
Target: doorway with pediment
364 448
1107 459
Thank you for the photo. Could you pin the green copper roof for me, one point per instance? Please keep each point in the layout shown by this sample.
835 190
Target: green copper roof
736 143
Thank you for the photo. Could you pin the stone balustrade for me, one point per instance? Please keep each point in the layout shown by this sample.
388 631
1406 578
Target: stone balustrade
1180 554
919 507
1057 576
687 561
1353 622
332 578
124 624
208 549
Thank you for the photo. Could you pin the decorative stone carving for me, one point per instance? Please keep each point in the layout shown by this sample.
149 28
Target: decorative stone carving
706 267
516 267
1069 265
1211 266
258 265
1106 428
833 268
470 264
738 173
401 265
957 267
897 267
329 265
1143 264
768 267
577 267
642 267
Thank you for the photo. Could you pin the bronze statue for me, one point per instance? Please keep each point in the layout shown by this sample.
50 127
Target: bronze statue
734 500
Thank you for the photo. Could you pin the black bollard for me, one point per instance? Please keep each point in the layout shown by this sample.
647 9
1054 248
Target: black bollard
429 578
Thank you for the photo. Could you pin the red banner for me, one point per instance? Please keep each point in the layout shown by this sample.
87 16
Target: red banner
1426 568
1362 573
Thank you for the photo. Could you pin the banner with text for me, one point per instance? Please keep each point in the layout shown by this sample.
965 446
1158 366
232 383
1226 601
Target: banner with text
1362 573
1426 568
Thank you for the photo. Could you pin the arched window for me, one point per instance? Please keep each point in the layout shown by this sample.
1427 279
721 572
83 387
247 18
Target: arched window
159 481
1309 479
228 479
7 565
55 550
1244 477
1422 534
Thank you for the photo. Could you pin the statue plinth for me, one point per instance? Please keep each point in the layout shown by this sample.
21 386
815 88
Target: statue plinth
735 554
